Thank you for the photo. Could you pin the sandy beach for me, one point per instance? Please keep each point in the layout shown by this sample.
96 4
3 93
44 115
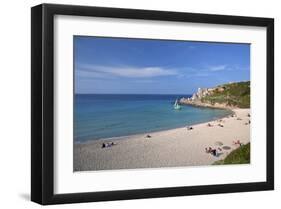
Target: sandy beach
170 148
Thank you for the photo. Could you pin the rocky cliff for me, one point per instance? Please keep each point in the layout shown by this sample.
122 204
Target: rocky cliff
231 95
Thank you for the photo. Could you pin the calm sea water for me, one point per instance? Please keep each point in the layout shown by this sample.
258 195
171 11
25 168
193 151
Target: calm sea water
105 116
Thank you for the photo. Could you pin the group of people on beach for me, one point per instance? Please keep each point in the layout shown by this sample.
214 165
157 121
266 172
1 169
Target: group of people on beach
108 144
219 123
211 151
214 151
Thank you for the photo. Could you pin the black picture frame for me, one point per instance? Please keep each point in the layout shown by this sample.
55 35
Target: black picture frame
42 103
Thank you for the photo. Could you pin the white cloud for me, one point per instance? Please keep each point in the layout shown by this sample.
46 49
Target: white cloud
217 68
126 72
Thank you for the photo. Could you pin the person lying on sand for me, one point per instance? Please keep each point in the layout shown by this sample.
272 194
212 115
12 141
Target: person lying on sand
189 128
208 150
237 142
209 125
108 144
211 151
214 152
148 136
220 125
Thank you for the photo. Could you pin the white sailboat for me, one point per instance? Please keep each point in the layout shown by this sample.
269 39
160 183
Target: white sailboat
176 105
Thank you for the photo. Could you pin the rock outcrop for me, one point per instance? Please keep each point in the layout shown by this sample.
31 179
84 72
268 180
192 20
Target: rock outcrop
229 96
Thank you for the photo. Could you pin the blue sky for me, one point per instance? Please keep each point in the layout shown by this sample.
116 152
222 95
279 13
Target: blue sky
140 66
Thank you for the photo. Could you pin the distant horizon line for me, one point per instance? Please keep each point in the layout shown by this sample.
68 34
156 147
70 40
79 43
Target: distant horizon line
162 93
132 94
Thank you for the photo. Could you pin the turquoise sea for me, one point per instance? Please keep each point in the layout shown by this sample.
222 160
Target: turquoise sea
98 116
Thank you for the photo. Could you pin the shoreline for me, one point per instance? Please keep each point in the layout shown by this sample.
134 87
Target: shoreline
167 148
151 132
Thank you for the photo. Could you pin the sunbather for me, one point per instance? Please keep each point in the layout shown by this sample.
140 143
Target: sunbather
211 151
208 150
108 144
237 142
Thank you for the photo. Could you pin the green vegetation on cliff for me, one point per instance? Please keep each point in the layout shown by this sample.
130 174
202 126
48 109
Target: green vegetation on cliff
232 94
238 156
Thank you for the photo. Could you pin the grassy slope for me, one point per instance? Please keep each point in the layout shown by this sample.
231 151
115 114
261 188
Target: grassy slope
235 94
238 156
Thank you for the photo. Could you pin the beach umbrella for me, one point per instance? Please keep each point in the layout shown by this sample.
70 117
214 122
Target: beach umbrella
218 143
226 147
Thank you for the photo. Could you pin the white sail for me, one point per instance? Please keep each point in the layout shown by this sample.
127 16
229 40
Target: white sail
176 105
